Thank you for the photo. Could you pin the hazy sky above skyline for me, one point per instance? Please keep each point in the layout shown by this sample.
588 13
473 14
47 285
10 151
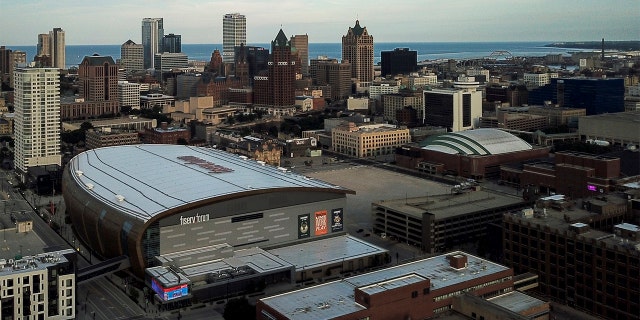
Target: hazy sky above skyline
200 21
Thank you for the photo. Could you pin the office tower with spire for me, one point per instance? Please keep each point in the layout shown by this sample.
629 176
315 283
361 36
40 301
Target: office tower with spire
234 33
276 86
282 73
37 118
357 49
152 34
131 57
57 48
300 45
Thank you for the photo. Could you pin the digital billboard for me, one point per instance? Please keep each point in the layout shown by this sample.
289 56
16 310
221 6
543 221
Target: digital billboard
171 293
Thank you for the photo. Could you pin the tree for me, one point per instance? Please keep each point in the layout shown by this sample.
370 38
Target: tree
273 131
182 141
86 126
134 294
125 109
239 309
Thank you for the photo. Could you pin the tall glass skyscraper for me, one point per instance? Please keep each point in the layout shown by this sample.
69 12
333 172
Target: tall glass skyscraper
172 43
152 34
234 33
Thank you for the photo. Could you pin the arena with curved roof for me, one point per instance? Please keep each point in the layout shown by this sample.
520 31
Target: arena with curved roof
477 142
147 201
473 153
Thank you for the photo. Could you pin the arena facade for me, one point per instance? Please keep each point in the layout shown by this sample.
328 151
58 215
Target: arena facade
150 201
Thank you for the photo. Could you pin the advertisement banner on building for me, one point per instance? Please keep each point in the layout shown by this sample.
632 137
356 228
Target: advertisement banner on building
321 223
303 226
336 220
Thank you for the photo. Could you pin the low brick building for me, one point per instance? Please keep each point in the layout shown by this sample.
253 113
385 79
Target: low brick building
165 135
417 290
575 174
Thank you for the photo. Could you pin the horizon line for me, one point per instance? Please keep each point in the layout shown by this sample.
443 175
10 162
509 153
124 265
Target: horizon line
249 43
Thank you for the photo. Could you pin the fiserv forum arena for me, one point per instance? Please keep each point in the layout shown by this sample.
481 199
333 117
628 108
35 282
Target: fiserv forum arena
147 201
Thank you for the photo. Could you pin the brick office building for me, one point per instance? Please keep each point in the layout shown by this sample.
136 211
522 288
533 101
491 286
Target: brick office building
577 264
416 290
575 174
98 87
165 135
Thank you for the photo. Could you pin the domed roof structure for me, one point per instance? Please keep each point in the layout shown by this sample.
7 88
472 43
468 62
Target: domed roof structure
477 142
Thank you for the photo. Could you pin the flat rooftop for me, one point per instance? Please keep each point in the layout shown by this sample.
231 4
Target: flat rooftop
14 243
99 123
148 179
449 205
516 301
326 251
39 261
335 299
256 259
573 213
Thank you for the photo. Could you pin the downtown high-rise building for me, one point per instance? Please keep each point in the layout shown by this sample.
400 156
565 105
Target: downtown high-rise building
172 43
398 61
337 76
44 45
357 49
300 45
234 33
9 59
57 48
98 88
37 118
152 34
131 57
249 61
277 87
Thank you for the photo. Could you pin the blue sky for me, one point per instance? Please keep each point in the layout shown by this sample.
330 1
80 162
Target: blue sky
200 21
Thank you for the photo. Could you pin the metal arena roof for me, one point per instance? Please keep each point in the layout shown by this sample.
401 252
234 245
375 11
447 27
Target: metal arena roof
145 180
477 142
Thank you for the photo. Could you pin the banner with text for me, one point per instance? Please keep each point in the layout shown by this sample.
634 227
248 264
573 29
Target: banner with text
321 222
303 226
336 220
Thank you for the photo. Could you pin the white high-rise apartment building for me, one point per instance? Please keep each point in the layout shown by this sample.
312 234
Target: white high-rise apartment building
129 94
57 48
37 117
152 34
234 33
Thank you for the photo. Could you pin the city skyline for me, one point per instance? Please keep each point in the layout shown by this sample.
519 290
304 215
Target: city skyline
325 21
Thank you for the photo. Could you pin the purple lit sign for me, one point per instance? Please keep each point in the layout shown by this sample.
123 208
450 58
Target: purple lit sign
592 188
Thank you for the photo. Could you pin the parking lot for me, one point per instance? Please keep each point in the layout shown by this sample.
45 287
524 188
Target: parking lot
370 184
